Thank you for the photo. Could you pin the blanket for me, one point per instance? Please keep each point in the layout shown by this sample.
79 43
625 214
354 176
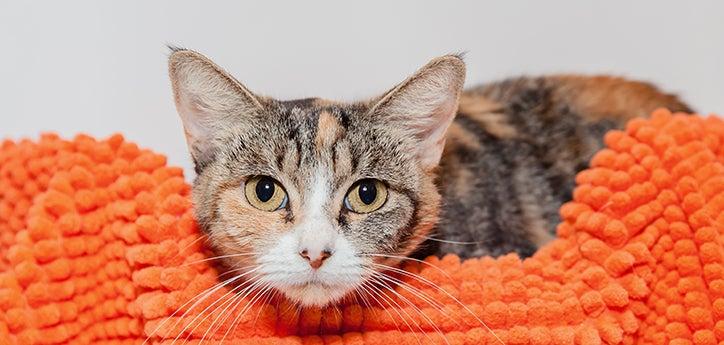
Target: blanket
98 244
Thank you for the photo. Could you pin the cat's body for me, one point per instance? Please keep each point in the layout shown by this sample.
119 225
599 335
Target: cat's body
513 151
317 199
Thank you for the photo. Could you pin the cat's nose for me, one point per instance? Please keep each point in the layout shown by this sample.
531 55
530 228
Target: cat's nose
315 260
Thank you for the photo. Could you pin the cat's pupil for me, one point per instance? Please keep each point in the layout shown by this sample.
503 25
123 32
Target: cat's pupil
367 192
265 189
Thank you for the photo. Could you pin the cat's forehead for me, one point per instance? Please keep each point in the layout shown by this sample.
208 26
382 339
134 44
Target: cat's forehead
306 109
300 138
307 103
313 119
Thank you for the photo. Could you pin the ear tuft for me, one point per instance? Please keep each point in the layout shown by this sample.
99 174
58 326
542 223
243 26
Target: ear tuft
208 101
425 104
174 48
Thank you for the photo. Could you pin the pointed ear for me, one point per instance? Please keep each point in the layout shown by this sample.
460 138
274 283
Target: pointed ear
208 100
424 105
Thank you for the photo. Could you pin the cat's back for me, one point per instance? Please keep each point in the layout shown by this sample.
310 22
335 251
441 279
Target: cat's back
512 153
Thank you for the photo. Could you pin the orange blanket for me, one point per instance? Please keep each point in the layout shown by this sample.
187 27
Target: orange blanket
98 245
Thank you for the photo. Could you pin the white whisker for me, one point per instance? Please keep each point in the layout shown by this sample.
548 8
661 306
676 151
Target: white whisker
405 258
366 291
228 303
467 309
206 292
419 294
229 281
451 242
217 258
417 309
399 310
234 323
245 288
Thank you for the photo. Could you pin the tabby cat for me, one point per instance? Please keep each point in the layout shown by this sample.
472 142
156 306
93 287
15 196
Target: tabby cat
312 197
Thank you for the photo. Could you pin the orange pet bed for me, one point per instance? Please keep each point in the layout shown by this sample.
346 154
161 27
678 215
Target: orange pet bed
98 245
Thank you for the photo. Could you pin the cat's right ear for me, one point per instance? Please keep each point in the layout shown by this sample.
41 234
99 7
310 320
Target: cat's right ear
424 105
208 100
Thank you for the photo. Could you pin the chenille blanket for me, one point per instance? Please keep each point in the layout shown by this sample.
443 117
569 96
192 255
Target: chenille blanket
98 245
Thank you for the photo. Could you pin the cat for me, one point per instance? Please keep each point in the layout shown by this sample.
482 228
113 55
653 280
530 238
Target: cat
312 197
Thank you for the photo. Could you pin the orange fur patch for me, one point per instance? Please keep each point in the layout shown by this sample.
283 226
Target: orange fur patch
487 114
458 136
603 96
328 130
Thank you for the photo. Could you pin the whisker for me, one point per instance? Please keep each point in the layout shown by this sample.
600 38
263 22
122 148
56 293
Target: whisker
338 311
239 243
405 258
193 321
416 308
236 305
247 288
228 303
399 310
206 292
255 290
366 290
451 242
467 309
272 292
206 296
253 300
420 294
217 258
182 250
248 305
408 274
290 308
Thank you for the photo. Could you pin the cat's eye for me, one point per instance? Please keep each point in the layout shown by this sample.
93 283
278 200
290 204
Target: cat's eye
265 193
366 196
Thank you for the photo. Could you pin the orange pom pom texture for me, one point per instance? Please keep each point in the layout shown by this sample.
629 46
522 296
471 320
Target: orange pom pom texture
98 245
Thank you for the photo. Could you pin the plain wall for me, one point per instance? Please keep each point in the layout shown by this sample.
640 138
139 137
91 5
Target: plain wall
99 67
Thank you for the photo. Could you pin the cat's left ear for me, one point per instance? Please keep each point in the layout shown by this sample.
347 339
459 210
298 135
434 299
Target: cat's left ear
424 105
209 102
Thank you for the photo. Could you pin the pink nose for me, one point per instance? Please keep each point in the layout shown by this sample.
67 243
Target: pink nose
316 261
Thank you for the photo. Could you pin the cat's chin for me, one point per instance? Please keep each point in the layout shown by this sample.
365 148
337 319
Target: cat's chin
315 294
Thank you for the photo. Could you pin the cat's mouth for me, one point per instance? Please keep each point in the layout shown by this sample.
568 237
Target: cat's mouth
314 282
317 288
316 293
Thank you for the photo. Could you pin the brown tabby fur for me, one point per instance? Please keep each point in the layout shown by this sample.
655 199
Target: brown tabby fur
514 149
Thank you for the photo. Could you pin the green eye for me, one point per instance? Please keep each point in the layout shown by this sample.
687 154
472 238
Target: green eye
366 196
265 193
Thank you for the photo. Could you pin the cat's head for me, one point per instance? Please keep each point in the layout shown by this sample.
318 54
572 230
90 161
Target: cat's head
309 197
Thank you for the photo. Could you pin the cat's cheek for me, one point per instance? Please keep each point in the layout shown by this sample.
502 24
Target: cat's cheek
424 219
378 232
245 222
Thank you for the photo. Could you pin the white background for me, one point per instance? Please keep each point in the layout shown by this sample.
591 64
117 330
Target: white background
99 66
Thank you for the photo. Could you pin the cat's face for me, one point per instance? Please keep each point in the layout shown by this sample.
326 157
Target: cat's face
309 197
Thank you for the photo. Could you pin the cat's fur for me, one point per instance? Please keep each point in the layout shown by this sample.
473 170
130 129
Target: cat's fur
513 152
506 163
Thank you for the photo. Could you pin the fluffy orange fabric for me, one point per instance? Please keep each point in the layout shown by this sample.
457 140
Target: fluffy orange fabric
98 245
